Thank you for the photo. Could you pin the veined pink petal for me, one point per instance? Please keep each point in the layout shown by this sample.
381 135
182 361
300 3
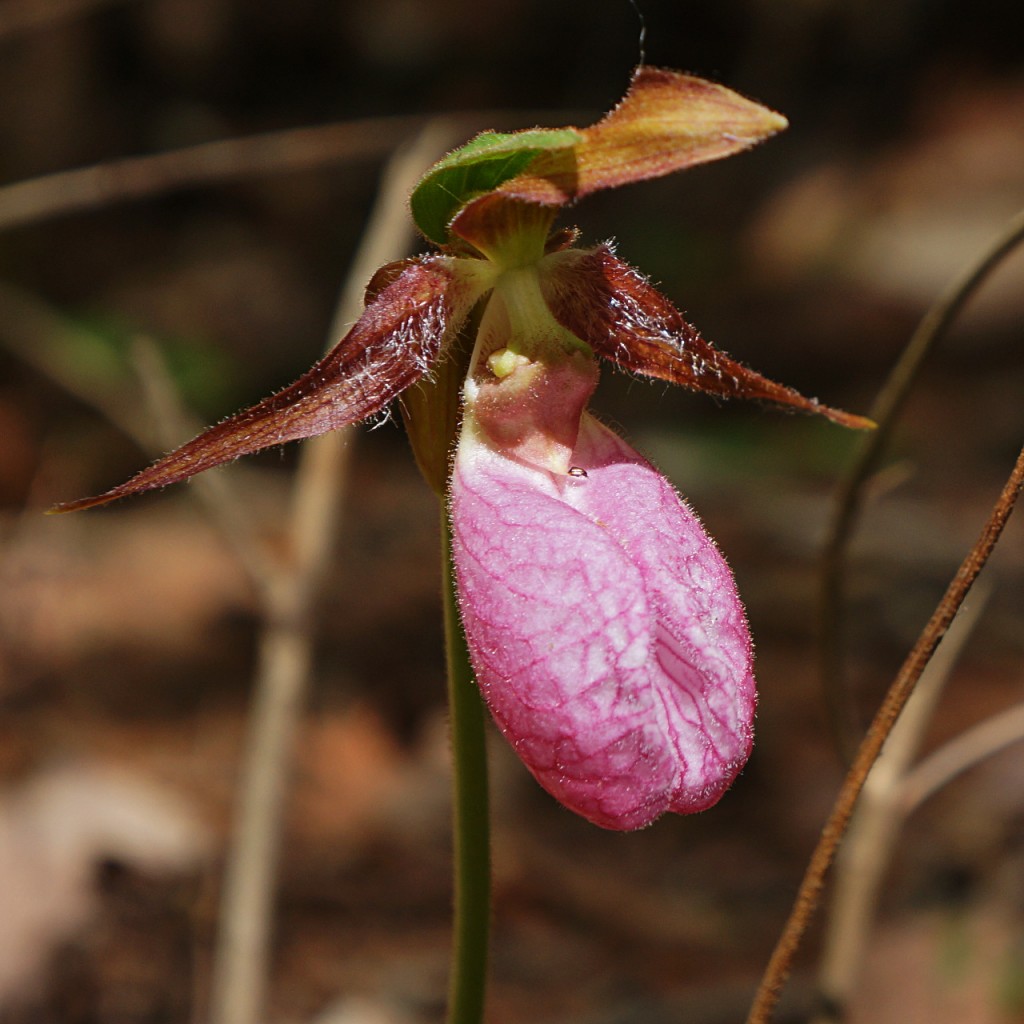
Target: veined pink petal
604 627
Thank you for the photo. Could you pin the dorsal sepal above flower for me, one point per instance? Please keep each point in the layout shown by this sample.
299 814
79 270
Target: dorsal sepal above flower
479 167
666 122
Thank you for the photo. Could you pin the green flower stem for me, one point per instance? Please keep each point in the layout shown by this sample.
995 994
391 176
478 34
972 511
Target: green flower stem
471 826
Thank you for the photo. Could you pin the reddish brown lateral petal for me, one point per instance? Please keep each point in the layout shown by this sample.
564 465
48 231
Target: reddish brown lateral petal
614 309
393 344
666 122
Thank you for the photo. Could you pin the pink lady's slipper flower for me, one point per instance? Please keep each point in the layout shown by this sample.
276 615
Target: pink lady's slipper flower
604 627
606 632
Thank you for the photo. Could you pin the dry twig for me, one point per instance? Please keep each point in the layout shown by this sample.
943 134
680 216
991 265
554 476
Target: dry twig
169 423
286 590
208 163
850 492
141 177
809 894
848 504
241 963
868 848
958 755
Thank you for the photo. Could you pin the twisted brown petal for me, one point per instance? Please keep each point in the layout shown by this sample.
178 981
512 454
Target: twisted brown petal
393 344
615 310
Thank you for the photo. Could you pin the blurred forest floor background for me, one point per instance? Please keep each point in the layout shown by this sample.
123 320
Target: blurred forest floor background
128 636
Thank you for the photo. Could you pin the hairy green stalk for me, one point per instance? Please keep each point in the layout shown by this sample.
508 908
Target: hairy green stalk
471 825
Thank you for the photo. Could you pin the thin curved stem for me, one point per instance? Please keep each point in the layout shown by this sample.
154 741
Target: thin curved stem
241 966
141 177
809 895
850 492
471 826
131 179
874 832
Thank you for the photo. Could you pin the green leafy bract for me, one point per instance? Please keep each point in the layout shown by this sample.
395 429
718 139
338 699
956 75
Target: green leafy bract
480 166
